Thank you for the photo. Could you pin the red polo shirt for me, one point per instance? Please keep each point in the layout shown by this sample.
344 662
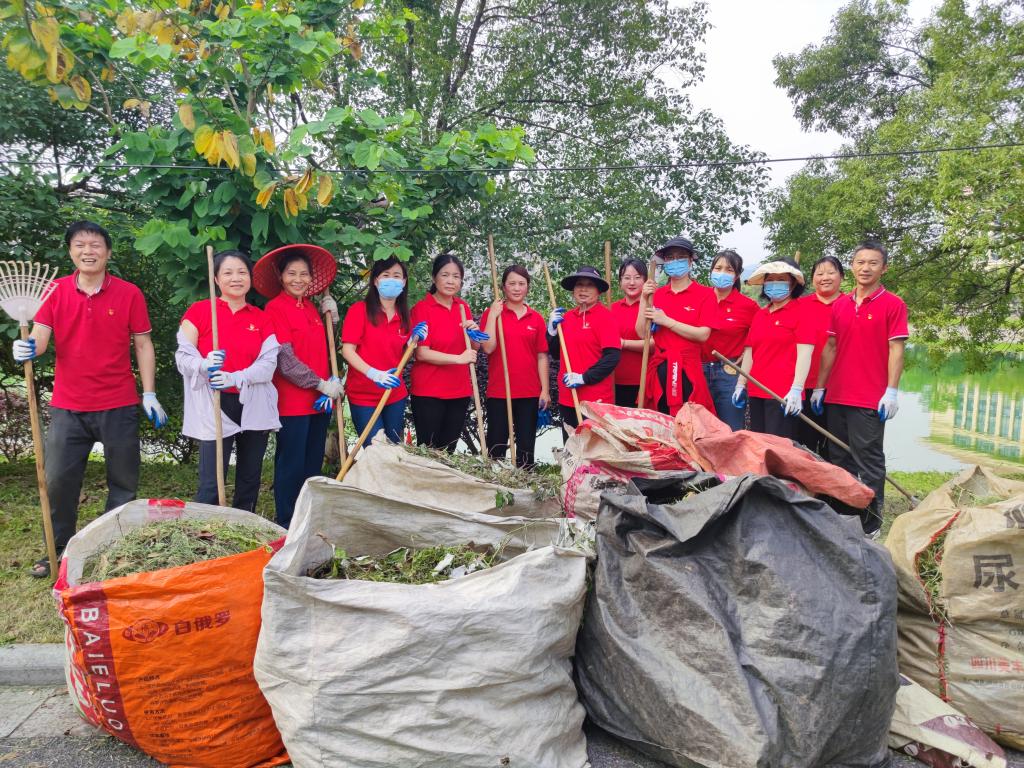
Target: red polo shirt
586 334
627 372
860 372
525 338
240 334
733 316
92 343
818 315
381 346
694 305
298 323
444 334
773 338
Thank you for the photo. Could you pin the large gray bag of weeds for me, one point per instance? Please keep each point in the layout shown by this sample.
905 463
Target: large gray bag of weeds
741 627
470 672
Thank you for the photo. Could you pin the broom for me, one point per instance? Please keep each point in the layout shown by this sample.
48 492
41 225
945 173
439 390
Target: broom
24 286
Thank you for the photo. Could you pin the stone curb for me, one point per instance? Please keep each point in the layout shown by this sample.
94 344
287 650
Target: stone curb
32 664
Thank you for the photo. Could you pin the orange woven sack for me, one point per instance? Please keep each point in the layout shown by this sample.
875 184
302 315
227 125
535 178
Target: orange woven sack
163 660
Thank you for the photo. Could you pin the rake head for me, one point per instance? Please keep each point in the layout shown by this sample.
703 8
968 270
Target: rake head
24 286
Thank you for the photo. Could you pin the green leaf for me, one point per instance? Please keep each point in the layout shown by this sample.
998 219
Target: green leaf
260 225
124 47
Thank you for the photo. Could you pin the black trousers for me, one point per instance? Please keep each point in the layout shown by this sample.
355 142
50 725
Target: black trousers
438 421
249 447
864 432
568 414
808 435
69 439
687 385
767 417
524 417
626 395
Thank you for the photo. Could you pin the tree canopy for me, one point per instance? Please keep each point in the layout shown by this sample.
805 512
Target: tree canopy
953 220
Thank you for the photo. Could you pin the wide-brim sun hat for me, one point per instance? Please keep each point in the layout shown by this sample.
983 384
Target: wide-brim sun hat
775 268
676 242
590 273
267 281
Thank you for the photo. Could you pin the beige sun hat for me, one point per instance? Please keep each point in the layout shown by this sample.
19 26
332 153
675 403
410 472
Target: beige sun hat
775 268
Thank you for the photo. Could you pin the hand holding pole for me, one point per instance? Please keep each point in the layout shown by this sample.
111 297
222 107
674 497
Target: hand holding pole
476 390
562 347
647 341
218 423
339 406
504 355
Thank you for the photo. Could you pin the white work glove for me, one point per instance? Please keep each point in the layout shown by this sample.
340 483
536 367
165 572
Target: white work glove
793 403
818 401
24 350
888 406
328 304
331 387
554 319
153 409
573 380
224 380
739 395
213 362
384 379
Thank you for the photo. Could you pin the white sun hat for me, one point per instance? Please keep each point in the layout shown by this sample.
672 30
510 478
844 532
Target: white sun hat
775 268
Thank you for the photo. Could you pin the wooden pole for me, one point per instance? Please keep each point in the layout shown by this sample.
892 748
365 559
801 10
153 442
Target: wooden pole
476 390
37 444
339 404
561 344
647 343
608 272
504 354
376 412
218 424
809 421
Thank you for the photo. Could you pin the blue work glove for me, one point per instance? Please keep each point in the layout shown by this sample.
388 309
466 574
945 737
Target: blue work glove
223 380
888 406
384 379
554 320
572 380
153 409
419 331
24 350
324 404
477 336
654 325
213 362
793 403
331 388
739 395
818 401
543 419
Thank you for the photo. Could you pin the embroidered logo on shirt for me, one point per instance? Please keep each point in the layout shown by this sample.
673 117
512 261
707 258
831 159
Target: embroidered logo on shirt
688 309
251 327
110 311
869 315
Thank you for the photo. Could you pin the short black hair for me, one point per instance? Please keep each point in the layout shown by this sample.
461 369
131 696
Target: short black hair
735 262
871 244
220 258
829 260
798 289
87 226
639 266
440 262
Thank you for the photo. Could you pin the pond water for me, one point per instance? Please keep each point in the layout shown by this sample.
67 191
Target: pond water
948 418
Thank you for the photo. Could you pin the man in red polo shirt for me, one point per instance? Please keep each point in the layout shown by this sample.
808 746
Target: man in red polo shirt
861 365
94 319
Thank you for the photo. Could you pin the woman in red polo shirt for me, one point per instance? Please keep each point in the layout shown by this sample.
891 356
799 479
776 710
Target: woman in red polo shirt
827 278
734 313
243 370
684 314
441 386
527 350
373 339
591 340
289 276
632 276
777 352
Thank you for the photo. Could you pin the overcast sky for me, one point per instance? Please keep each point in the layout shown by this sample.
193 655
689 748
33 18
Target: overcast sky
739 86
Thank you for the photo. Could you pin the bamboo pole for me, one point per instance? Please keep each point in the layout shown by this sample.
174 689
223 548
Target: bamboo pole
561 344
504 353
37 444
218 423
608 272
647 343
339 404
476 390
347 465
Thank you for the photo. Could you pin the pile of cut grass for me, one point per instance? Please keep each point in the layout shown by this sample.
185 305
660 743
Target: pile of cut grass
929 561
408 566
173 543
543 479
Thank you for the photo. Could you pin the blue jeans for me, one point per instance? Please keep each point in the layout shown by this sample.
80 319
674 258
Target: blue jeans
722 385
391 420
301 442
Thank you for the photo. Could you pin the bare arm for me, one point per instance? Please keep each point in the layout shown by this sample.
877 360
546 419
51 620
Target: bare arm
698 333
351 356
632 345
491 327
542 371
427 355
896 350
42 334
145 356
828 357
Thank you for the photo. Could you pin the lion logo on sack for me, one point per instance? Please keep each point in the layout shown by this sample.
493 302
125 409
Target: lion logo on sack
144 631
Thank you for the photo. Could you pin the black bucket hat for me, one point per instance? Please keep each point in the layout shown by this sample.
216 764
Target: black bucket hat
590 273
676 242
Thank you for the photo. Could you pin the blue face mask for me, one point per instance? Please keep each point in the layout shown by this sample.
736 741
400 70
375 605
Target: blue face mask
390 288
776 291
722 280
677 268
